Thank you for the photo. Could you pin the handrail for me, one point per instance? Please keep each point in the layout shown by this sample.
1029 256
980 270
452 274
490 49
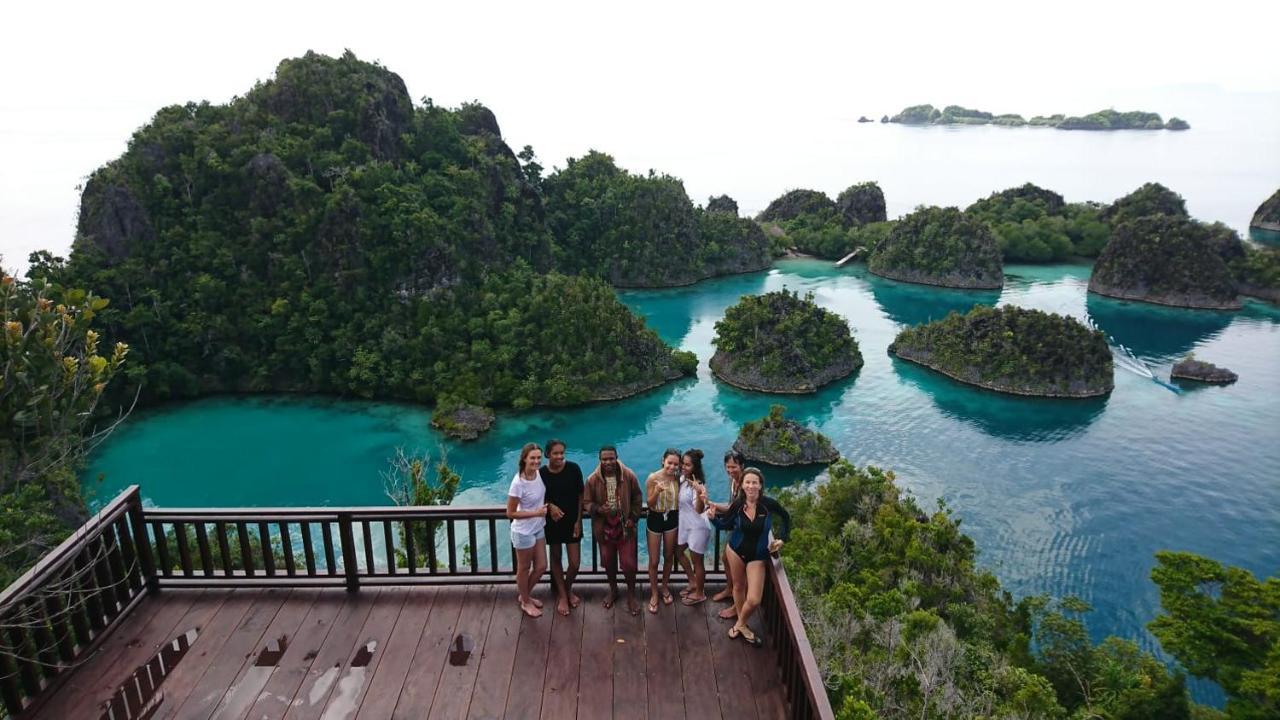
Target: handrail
801 677
60 610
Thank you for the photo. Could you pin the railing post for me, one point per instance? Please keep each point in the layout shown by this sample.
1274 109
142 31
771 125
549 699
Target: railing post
142 541
349 563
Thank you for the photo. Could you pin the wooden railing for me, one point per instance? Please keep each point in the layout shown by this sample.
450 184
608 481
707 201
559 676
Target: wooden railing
61 609
56 613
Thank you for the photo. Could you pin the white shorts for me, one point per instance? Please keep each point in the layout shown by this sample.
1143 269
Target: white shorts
694 534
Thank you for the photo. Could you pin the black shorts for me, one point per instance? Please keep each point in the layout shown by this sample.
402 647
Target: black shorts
663 522
560 532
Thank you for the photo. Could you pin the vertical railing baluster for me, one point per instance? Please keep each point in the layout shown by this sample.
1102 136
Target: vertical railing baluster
184 552
453 549
142 542
471 544
61 630
349 563
224 548
117 573
391 546
308 552
45 645
10 693
162 548
268 556
132 569
326 533
493 545
432 565
246 552
30 684
410 552
286 547
202 544
368 546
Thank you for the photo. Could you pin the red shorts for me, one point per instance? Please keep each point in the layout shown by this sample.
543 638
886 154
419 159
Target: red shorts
624 551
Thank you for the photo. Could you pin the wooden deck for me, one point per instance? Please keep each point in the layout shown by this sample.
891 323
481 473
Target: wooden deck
383 653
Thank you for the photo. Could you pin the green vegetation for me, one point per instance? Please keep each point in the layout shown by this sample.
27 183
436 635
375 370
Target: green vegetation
777 440
795 203
940 246
781 342
1223 624
1267 216
1167 260
54 370
321 234
905 626
1150 199
1101 120
1032 224
1014 350
643 231
1257 272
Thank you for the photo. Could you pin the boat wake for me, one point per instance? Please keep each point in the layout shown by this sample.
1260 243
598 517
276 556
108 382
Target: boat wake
1126 359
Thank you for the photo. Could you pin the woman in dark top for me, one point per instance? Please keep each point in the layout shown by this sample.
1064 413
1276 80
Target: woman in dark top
563 479
750 518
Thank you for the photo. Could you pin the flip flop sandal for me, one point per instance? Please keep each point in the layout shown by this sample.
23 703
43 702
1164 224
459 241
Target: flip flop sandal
667 599
753 640
653 607
690 601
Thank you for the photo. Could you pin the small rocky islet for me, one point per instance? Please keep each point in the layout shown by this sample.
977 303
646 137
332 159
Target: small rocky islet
781 342
1191 368
1013 350
783 442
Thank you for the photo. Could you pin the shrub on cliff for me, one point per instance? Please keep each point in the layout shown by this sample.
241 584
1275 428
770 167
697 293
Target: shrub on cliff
940 246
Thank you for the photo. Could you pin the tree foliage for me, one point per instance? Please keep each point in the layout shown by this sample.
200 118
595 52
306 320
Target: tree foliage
940 246
1150 199
785 339
643 231
54 370
1222 623
1166 259
1032 224
1014 350
904 623
323 234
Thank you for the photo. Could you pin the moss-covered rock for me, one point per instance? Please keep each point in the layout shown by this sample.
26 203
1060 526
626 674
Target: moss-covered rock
776 440
1189 368
1013 350
1167 261
723 204
461 420
1150 199
1257 272
862 204
940 246
794 203
1267 216
782 343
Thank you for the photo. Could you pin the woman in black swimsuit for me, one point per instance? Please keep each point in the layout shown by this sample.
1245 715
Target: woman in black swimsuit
750 518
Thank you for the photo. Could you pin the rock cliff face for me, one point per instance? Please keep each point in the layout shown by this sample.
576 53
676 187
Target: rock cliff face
1268 215
775 440
1167 261
111 219
462 421
862 204
1189 368
940 246
723 204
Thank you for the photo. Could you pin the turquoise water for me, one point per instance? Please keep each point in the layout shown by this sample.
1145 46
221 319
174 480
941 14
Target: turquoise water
1063 497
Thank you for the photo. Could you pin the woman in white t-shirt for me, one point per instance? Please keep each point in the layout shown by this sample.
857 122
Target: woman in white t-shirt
527 509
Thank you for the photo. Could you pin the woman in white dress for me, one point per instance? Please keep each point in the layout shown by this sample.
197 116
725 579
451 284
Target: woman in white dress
695 530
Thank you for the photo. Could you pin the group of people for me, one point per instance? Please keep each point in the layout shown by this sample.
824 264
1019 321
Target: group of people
547 504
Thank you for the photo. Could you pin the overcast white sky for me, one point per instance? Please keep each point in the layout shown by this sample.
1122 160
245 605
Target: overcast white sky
79 78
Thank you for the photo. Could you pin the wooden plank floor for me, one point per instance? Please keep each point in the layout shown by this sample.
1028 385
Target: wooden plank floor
384 653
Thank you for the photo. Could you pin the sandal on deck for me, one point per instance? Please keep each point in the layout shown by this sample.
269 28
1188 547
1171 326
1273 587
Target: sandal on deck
690 600
667 599
653 607
753 639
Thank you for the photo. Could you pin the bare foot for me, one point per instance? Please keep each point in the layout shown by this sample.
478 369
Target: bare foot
728 613
666 597
609 600
574 600
532 601
633 606
531 610
562 607
725 594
